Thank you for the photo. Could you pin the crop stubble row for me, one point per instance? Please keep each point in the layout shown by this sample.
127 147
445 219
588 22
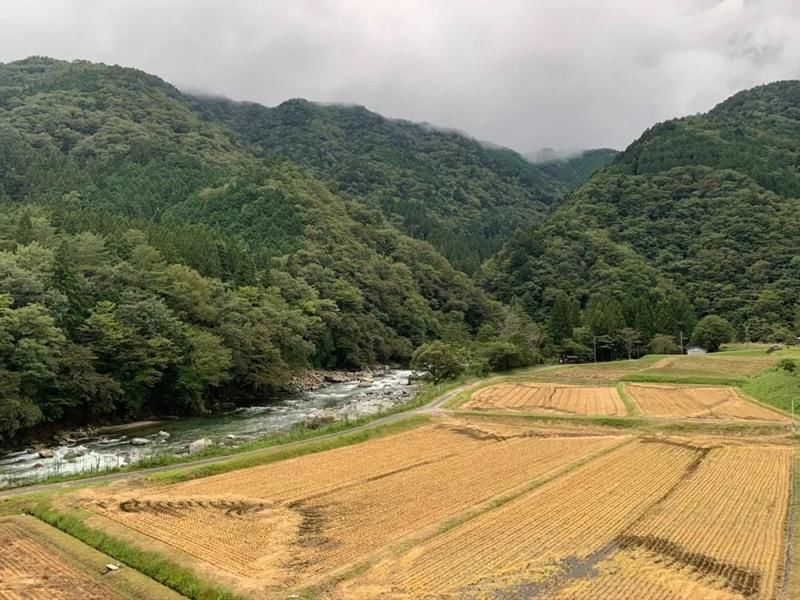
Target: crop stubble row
298 528
30 570
578 400
722 531
709 402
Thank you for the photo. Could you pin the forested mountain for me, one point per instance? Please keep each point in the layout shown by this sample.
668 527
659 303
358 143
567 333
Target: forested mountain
703 208
149 262
575 170
462 196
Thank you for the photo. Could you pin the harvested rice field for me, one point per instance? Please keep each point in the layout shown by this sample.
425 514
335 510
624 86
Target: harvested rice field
548 398
697 402
289 523
40 563
716 365
652 519
590 373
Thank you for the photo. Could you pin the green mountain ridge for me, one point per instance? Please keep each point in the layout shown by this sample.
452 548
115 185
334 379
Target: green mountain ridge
151 263
575 170
457 193
703 206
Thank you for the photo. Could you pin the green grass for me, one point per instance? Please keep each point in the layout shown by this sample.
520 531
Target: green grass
688 378
346 439
149 563
774 387
633 411
617 422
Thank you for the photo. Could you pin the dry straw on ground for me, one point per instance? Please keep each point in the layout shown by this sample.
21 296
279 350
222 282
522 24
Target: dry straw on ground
548 398
285 523
32 570
706 402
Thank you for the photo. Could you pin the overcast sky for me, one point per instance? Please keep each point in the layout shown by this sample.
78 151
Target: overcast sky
524 73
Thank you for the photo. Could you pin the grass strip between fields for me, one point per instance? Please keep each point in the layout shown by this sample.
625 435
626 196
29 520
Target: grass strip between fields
686 378
791 581
278 454
149 563
630 406
129 583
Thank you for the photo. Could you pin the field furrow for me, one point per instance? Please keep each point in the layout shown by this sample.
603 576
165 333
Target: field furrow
273 526
511 551
30 570
541 397
722 531
697 402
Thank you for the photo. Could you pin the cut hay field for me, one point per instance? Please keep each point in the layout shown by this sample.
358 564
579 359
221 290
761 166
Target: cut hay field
285 524
548 398
38 562
712 365
697 402
655 519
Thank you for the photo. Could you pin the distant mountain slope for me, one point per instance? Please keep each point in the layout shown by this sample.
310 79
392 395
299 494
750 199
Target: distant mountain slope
462 196
150 262
575 170
755 132
683 208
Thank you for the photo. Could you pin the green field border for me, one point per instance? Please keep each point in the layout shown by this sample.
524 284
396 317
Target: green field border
151 564
127 582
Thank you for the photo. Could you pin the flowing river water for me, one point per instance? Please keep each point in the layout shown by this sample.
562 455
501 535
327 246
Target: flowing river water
348 400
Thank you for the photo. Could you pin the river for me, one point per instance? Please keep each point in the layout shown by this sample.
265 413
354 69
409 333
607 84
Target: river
343 400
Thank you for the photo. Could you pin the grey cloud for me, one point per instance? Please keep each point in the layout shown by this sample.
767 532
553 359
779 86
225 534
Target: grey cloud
524 73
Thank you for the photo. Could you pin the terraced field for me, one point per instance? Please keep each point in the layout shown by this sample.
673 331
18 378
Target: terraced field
498 503
287 523
548 398
697 402
720 535
657 519
713 365
24 559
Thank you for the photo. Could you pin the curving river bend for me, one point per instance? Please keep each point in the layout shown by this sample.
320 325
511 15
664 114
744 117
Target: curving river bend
345 400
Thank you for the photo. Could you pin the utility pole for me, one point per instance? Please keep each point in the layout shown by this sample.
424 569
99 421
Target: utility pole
681 341
594 347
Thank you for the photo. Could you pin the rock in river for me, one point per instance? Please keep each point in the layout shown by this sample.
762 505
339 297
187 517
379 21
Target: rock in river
138 441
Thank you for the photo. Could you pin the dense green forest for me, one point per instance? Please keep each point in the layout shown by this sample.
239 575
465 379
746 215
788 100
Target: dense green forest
701 210
575 170
150 263
462 196
163 253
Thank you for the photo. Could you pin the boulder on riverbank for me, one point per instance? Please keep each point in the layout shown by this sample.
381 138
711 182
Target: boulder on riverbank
318 418
199 445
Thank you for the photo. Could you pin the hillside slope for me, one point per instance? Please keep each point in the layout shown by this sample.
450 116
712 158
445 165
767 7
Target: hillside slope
462 196
576 170
703 205
149 262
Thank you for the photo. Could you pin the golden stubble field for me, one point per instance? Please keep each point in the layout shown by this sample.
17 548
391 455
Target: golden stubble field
697 402
548 398
32 569
292 523
478 508
652 519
